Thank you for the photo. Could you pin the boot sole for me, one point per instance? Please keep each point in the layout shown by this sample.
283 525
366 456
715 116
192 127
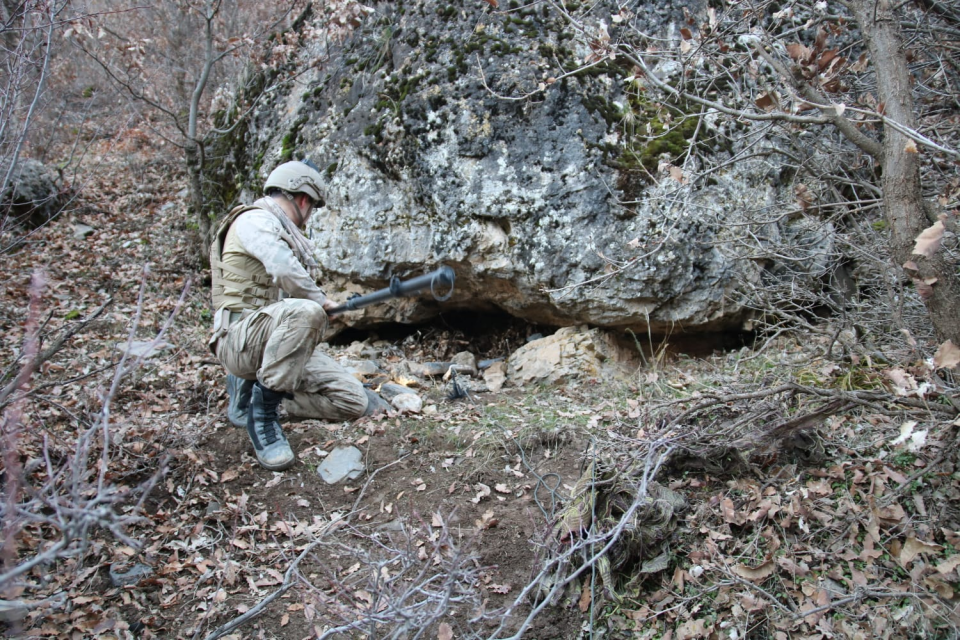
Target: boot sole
283 466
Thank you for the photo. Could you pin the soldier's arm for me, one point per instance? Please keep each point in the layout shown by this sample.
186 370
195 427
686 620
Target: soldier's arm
259 233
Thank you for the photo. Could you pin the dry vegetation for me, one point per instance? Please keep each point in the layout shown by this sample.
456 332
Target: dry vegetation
818 466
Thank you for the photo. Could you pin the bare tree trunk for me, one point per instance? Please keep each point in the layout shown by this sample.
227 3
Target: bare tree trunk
197 204
904 207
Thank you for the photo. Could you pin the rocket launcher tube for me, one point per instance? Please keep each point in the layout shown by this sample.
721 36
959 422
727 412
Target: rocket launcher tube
435 281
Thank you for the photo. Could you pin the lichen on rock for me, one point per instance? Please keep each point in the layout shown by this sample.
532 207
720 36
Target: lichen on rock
547 207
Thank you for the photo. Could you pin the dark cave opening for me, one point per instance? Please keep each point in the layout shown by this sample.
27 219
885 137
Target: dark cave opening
496 334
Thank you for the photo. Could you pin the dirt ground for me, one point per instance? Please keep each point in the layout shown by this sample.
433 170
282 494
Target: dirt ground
444 532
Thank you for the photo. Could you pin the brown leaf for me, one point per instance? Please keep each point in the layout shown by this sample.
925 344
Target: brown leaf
911 268
825 58
914 547
911 147
445 632
947 356
799 52
792 567
730 513
585 598
943 589
694 629
929 240
284 619
760 572
949 565
677 174
860 65
767 102
686 33
492 3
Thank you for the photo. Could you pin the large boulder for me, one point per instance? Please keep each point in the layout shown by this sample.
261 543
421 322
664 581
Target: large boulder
34 195
446 140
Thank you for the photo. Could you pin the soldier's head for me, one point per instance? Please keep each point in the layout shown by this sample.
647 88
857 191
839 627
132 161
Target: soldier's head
299 183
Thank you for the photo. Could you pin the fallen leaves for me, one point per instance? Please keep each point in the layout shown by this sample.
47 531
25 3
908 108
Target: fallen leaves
758 573
929 240
947 356
913 547
483 491
445 631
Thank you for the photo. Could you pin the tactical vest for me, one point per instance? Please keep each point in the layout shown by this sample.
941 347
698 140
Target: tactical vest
239 280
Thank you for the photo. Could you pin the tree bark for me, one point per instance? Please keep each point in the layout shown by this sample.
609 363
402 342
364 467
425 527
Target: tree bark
904 206
197 204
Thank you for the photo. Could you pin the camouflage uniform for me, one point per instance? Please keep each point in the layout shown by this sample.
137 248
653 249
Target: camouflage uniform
276 342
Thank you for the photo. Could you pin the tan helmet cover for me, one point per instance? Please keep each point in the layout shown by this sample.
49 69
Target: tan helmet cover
296 177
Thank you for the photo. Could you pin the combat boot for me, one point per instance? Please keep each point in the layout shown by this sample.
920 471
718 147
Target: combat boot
269 444
238 390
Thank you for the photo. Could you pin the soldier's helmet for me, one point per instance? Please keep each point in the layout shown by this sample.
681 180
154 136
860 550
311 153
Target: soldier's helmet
297 177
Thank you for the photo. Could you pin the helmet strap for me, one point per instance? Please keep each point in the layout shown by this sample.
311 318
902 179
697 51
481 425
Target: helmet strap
292 199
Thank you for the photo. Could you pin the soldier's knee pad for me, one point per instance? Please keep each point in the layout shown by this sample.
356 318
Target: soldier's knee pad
306 312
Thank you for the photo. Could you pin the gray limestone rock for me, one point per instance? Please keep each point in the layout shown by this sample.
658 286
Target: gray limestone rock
342 463
429 369
525 199
34 194
391 390
407 402
82 231
466 362
122 577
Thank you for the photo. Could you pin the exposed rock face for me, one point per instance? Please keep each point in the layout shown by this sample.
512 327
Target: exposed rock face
428 164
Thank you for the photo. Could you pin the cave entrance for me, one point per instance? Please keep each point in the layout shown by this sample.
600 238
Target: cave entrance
494 334
486 334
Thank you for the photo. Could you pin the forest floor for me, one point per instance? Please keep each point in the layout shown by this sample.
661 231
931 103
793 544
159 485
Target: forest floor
821 484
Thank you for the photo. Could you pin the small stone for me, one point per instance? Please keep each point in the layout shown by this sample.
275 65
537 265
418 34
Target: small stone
133 575
390 390
430 410
408 403
355 349
486 364
495 376
213 508
82 231
370 353
343 462
465 362
363 367
430 369
375 403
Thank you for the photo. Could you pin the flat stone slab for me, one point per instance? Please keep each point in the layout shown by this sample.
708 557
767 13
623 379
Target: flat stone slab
391 390
132 575
343 462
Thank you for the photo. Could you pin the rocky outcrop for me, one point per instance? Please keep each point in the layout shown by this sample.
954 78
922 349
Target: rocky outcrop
34 196
446 139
